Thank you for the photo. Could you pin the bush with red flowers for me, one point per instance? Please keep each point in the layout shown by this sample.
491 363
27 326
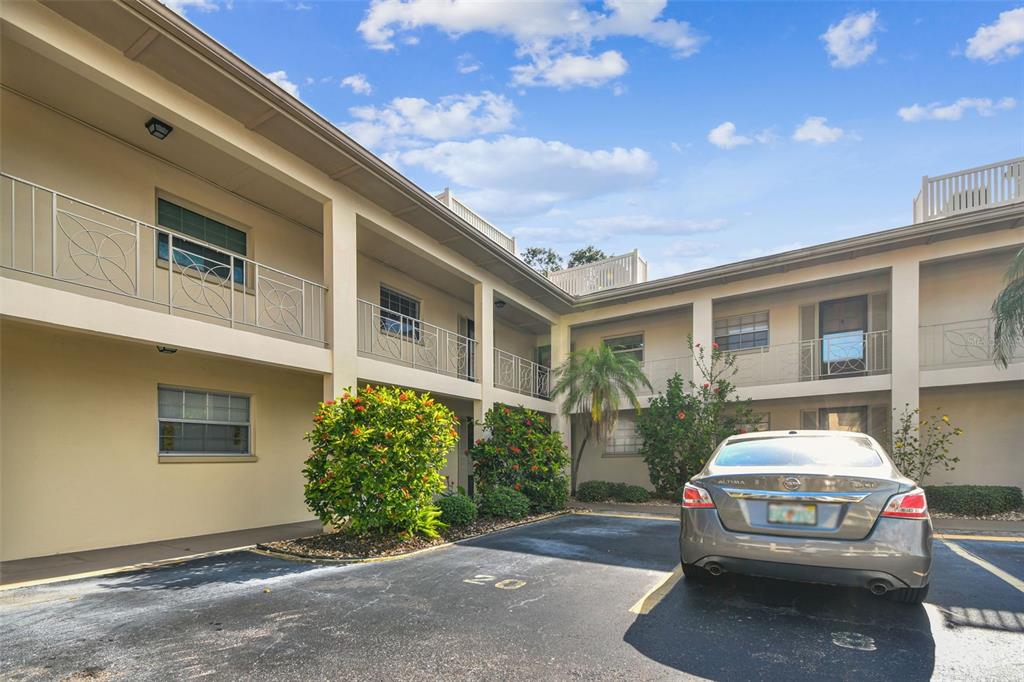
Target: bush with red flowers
377 459
684 425
524 454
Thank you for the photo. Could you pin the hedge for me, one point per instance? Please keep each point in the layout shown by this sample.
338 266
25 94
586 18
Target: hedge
974 500
601 491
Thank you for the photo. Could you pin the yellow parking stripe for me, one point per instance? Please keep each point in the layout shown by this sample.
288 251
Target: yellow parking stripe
625 515
657 593
994 570
984 538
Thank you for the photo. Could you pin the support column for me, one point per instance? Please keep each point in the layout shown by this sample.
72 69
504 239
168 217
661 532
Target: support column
561 346
340 277
703 330
483 323
904 335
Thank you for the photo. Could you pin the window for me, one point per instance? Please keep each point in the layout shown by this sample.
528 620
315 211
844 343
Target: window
197 256
628 345
843 419
625 440
400 314
758 422
202 423
739 332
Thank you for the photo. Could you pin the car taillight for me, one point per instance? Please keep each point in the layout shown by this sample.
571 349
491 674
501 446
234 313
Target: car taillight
696 498
912 505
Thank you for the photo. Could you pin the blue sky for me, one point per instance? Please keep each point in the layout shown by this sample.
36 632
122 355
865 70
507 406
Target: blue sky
700 133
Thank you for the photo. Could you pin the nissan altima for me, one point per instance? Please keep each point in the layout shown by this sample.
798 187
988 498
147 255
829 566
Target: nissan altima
815 506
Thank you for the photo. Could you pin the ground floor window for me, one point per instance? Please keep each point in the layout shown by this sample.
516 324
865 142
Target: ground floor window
625 440
192 422
836 419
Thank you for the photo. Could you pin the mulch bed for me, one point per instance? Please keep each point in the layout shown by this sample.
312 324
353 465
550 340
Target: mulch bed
342 546
1015 515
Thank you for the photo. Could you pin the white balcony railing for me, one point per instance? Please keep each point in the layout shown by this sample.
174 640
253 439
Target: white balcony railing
514 373
658 372
617 271
53 235
839 355
973 189
964 343
405 340
476 220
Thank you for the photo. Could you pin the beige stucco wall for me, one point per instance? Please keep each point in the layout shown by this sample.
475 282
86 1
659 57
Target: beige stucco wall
963 288
990 450
79 454
55 151
437 307
596 465
664 333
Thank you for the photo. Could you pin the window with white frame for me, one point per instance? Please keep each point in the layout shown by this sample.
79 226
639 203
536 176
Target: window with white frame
739 332
195 422
625 440
758 422
632 345
399 314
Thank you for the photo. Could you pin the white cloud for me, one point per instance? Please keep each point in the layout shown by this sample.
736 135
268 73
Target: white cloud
280 78
180 6
725 136
465 63
955 111
570 70
358 83
849 42
814 130
555 36
998 41
410 121
526 176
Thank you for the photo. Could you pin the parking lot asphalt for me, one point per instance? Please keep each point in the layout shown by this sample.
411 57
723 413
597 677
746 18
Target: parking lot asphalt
575 597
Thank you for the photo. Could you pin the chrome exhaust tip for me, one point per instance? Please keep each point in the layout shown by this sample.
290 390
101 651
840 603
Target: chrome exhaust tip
879 587
714 569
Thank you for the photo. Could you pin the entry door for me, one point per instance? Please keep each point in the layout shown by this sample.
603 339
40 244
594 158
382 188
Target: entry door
843 419
468 329
843 323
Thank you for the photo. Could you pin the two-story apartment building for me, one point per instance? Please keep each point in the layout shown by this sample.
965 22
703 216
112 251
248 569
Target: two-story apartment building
190 259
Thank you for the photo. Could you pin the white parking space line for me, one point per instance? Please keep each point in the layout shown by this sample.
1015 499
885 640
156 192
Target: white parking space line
994 570
657 593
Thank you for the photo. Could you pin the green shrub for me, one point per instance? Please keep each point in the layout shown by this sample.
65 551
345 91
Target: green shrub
617 491
974 500
502 502
457 510
633 493
593 491
522 453
377 459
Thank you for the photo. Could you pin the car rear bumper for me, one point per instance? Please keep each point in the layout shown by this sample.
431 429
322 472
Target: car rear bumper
897 550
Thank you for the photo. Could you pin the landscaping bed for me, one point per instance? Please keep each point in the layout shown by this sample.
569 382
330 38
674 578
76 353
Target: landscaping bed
342 546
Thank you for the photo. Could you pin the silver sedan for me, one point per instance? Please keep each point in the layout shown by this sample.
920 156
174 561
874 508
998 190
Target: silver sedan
815 506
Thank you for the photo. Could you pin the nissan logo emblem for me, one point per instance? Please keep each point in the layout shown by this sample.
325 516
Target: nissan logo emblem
791 483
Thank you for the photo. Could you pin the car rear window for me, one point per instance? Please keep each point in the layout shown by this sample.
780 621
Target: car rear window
799 451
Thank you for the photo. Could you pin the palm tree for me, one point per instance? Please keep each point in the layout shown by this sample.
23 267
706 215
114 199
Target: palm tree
1008 309
594 382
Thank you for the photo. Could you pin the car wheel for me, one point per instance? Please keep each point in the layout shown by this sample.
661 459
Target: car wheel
694 573
910 595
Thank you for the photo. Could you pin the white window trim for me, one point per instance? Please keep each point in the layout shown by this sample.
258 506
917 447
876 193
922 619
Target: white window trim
164 457
643 343
755 349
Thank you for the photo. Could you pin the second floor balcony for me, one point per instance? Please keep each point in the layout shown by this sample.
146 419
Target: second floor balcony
518 374
847 354
964 343
82 247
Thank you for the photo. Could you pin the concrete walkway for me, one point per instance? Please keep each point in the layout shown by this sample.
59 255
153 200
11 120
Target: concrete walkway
165 551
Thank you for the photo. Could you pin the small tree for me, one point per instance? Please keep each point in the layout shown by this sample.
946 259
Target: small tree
684 425
919 445
595 382
377 460
543 260
585 255
524 454
1008 309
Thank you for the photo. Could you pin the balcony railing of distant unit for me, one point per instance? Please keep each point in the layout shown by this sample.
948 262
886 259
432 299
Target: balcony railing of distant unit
514 373
996 184
476 220
407 341
617 271
658 372
961 344
62 238
837 355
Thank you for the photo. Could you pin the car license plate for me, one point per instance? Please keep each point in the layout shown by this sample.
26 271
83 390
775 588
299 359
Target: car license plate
794 514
